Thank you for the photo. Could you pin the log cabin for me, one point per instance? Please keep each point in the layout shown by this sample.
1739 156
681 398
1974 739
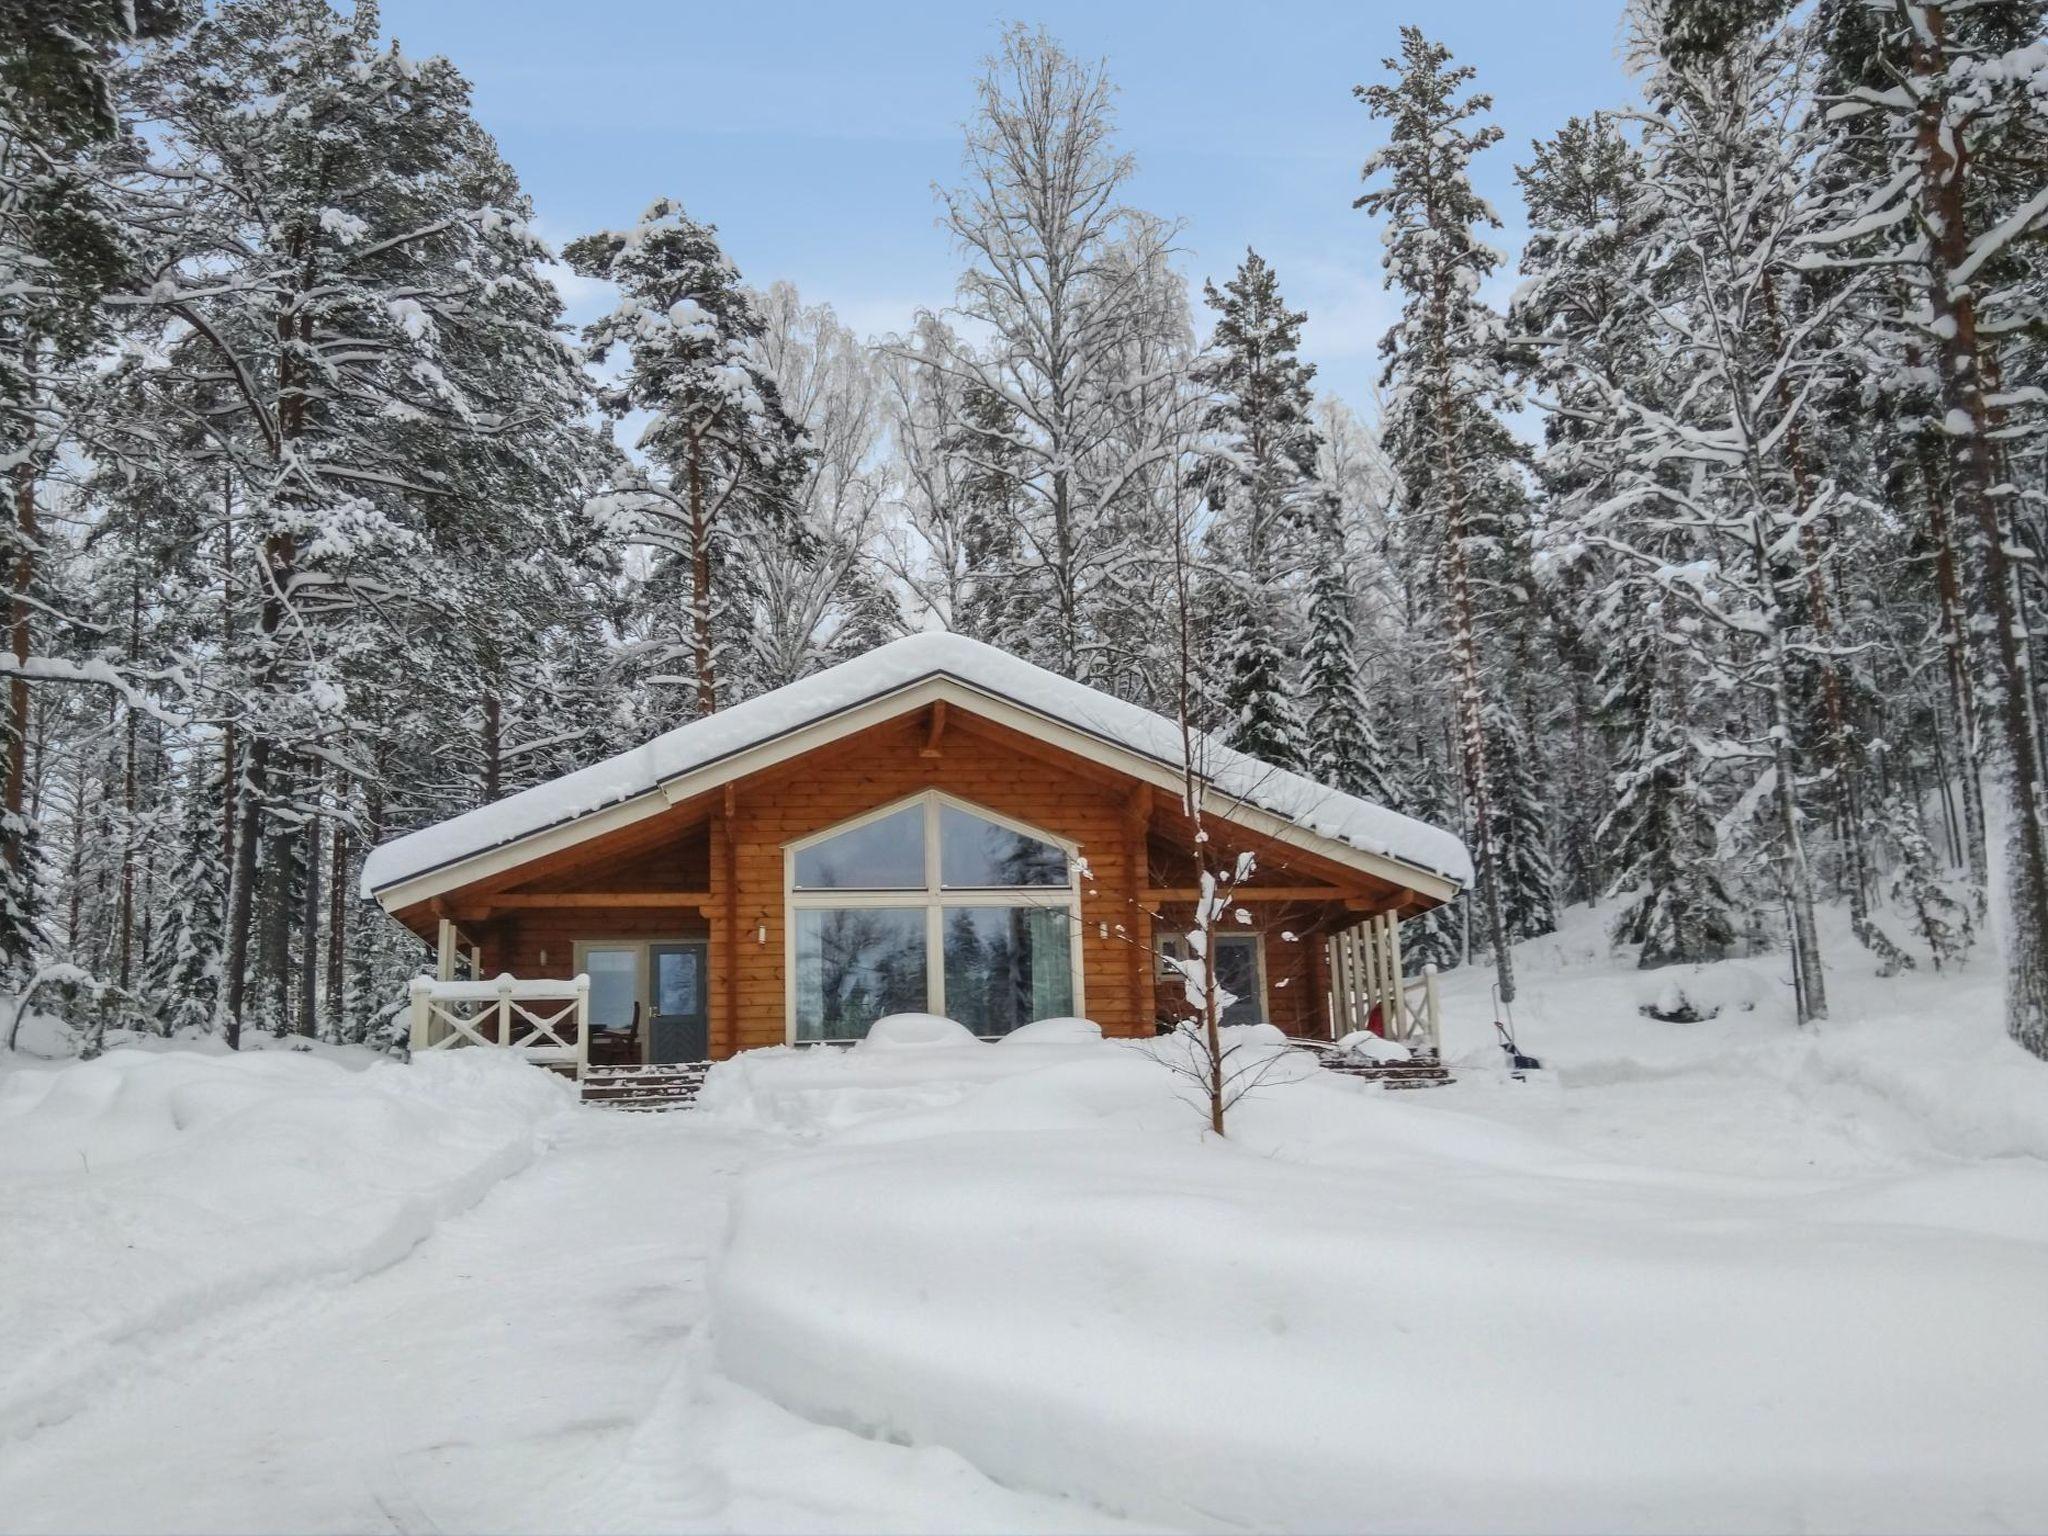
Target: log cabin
935 826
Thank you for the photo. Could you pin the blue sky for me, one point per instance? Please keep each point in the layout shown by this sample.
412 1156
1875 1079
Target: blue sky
811 134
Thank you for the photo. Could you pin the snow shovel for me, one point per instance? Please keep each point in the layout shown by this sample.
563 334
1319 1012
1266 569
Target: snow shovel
1519 1065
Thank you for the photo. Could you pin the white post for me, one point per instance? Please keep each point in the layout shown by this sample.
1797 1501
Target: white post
476 962
504 1035
1330 988
1341 952
444 953
1375 983
422 1013
1430 1010
1390 945
582 1024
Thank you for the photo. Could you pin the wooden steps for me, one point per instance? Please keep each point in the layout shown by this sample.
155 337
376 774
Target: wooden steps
1424 1070
645 1089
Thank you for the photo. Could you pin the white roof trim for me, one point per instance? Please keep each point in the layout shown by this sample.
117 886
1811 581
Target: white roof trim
887 682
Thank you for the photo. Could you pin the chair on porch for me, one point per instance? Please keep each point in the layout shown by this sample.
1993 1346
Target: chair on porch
617 1047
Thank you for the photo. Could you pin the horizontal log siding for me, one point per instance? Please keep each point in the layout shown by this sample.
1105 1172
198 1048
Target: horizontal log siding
881 765
516 941
855 775
1294 997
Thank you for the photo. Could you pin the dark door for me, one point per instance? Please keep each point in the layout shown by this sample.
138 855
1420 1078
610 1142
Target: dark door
679 1028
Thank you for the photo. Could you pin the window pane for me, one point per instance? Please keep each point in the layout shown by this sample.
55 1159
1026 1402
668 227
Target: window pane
1237 972
1007 966
614 986
975 853
884 855
855 964
677 989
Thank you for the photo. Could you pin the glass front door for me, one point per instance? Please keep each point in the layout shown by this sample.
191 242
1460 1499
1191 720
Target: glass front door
679 1021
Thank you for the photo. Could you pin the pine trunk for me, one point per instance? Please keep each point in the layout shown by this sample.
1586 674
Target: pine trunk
700 585
1944 210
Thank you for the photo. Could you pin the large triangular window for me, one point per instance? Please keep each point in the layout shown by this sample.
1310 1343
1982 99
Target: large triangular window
931 904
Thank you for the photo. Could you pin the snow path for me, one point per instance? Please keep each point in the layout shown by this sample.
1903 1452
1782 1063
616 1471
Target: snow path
533 1365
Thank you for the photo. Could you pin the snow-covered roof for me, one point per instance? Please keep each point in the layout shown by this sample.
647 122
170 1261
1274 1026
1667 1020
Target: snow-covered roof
900 666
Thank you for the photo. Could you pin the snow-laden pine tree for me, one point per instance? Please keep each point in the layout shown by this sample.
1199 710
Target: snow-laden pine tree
66 237
1705 486
1959 96
722 453
1595 352
1260 481
1344 748
181 983
1920 890
349 295
1445 436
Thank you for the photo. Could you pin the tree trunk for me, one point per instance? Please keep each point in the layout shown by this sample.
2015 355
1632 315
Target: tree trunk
309 936
493 746
124 970
700 586
253 790
1944 214
337 931
1956 660
13 829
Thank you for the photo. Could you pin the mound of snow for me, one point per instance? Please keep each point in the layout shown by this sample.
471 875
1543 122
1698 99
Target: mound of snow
1054 1032
1051 1275
147 1190
1363 1042
915 1032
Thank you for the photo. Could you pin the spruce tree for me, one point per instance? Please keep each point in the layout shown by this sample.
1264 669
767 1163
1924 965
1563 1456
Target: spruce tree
1446 438
1260 482
1344 749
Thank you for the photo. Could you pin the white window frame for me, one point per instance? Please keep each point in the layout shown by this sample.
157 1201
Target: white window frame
933 896
1175 947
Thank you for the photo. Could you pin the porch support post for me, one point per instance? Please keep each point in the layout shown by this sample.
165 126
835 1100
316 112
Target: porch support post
444 952
582 1025
1397 992
422 1014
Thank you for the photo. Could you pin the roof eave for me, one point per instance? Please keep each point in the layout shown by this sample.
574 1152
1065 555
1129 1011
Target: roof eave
794 741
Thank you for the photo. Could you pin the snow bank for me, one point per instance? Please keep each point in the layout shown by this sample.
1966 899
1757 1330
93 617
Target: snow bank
1054 1032
143 1192
1371 1309
916 1032
890 669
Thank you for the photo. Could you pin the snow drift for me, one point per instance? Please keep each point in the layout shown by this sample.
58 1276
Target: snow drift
1335 1318
146 1191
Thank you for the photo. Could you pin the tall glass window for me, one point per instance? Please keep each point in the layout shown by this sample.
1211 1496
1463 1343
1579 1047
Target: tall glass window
931 906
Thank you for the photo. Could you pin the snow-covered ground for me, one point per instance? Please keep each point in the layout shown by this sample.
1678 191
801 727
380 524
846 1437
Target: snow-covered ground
1717 1275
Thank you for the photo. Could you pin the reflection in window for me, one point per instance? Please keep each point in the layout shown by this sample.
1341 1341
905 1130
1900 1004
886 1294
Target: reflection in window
1006 966
676 990
854 965
976 853
1237 972
882 855
614 986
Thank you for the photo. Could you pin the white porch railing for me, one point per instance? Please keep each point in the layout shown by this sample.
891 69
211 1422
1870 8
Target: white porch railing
545 1021
1365 974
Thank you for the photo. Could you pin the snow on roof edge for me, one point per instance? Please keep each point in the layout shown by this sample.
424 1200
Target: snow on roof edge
1359 824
